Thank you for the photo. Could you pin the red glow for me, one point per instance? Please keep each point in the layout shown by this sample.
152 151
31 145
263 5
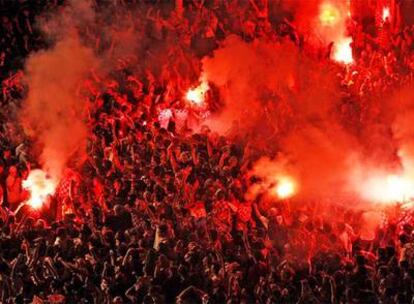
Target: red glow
329 14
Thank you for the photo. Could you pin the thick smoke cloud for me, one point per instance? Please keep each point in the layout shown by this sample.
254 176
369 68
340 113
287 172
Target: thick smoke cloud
53 111
83 37
290 102
392 180
282 100
402 107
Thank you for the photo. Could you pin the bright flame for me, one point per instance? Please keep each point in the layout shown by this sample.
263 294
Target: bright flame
40 186
197 94
342 51
285 188
329 15
390 188
385 13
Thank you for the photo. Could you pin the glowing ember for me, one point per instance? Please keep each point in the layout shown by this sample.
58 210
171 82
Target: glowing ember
285 188
328 14
391 188
197 95
385 13
342 51
40 186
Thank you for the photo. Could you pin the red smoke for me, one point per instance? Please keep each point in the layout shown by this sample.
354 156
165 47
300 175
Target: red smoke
53 111
277 96
274 92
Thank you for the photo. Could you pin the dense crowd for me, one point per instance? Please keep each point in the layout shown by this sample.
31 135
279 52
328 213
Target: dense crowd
157 213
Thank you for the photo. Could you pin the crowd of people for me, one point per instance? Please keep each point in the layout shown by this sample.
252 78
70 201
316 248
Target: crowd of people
157 213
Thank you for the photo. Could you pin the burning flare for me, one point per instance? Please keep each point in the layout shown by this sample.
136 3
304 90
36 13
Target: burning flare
332 28
40 186
285 187
342 51
385 13
389 188
197 94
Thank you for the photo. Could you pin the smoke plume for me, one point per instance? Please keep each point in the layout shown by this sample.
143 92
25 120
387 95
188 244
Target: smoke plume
53 112
83 37
52 109
289 101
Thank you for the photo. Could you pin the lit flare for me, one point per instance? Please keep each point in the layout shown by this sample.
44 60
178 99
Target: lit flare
197 95
389 188
385 13
40 186
285 187
342 51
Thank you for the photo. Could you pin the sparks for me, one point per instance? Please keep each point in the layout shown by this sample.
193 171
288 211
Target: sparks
342 51
197 94
40 186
